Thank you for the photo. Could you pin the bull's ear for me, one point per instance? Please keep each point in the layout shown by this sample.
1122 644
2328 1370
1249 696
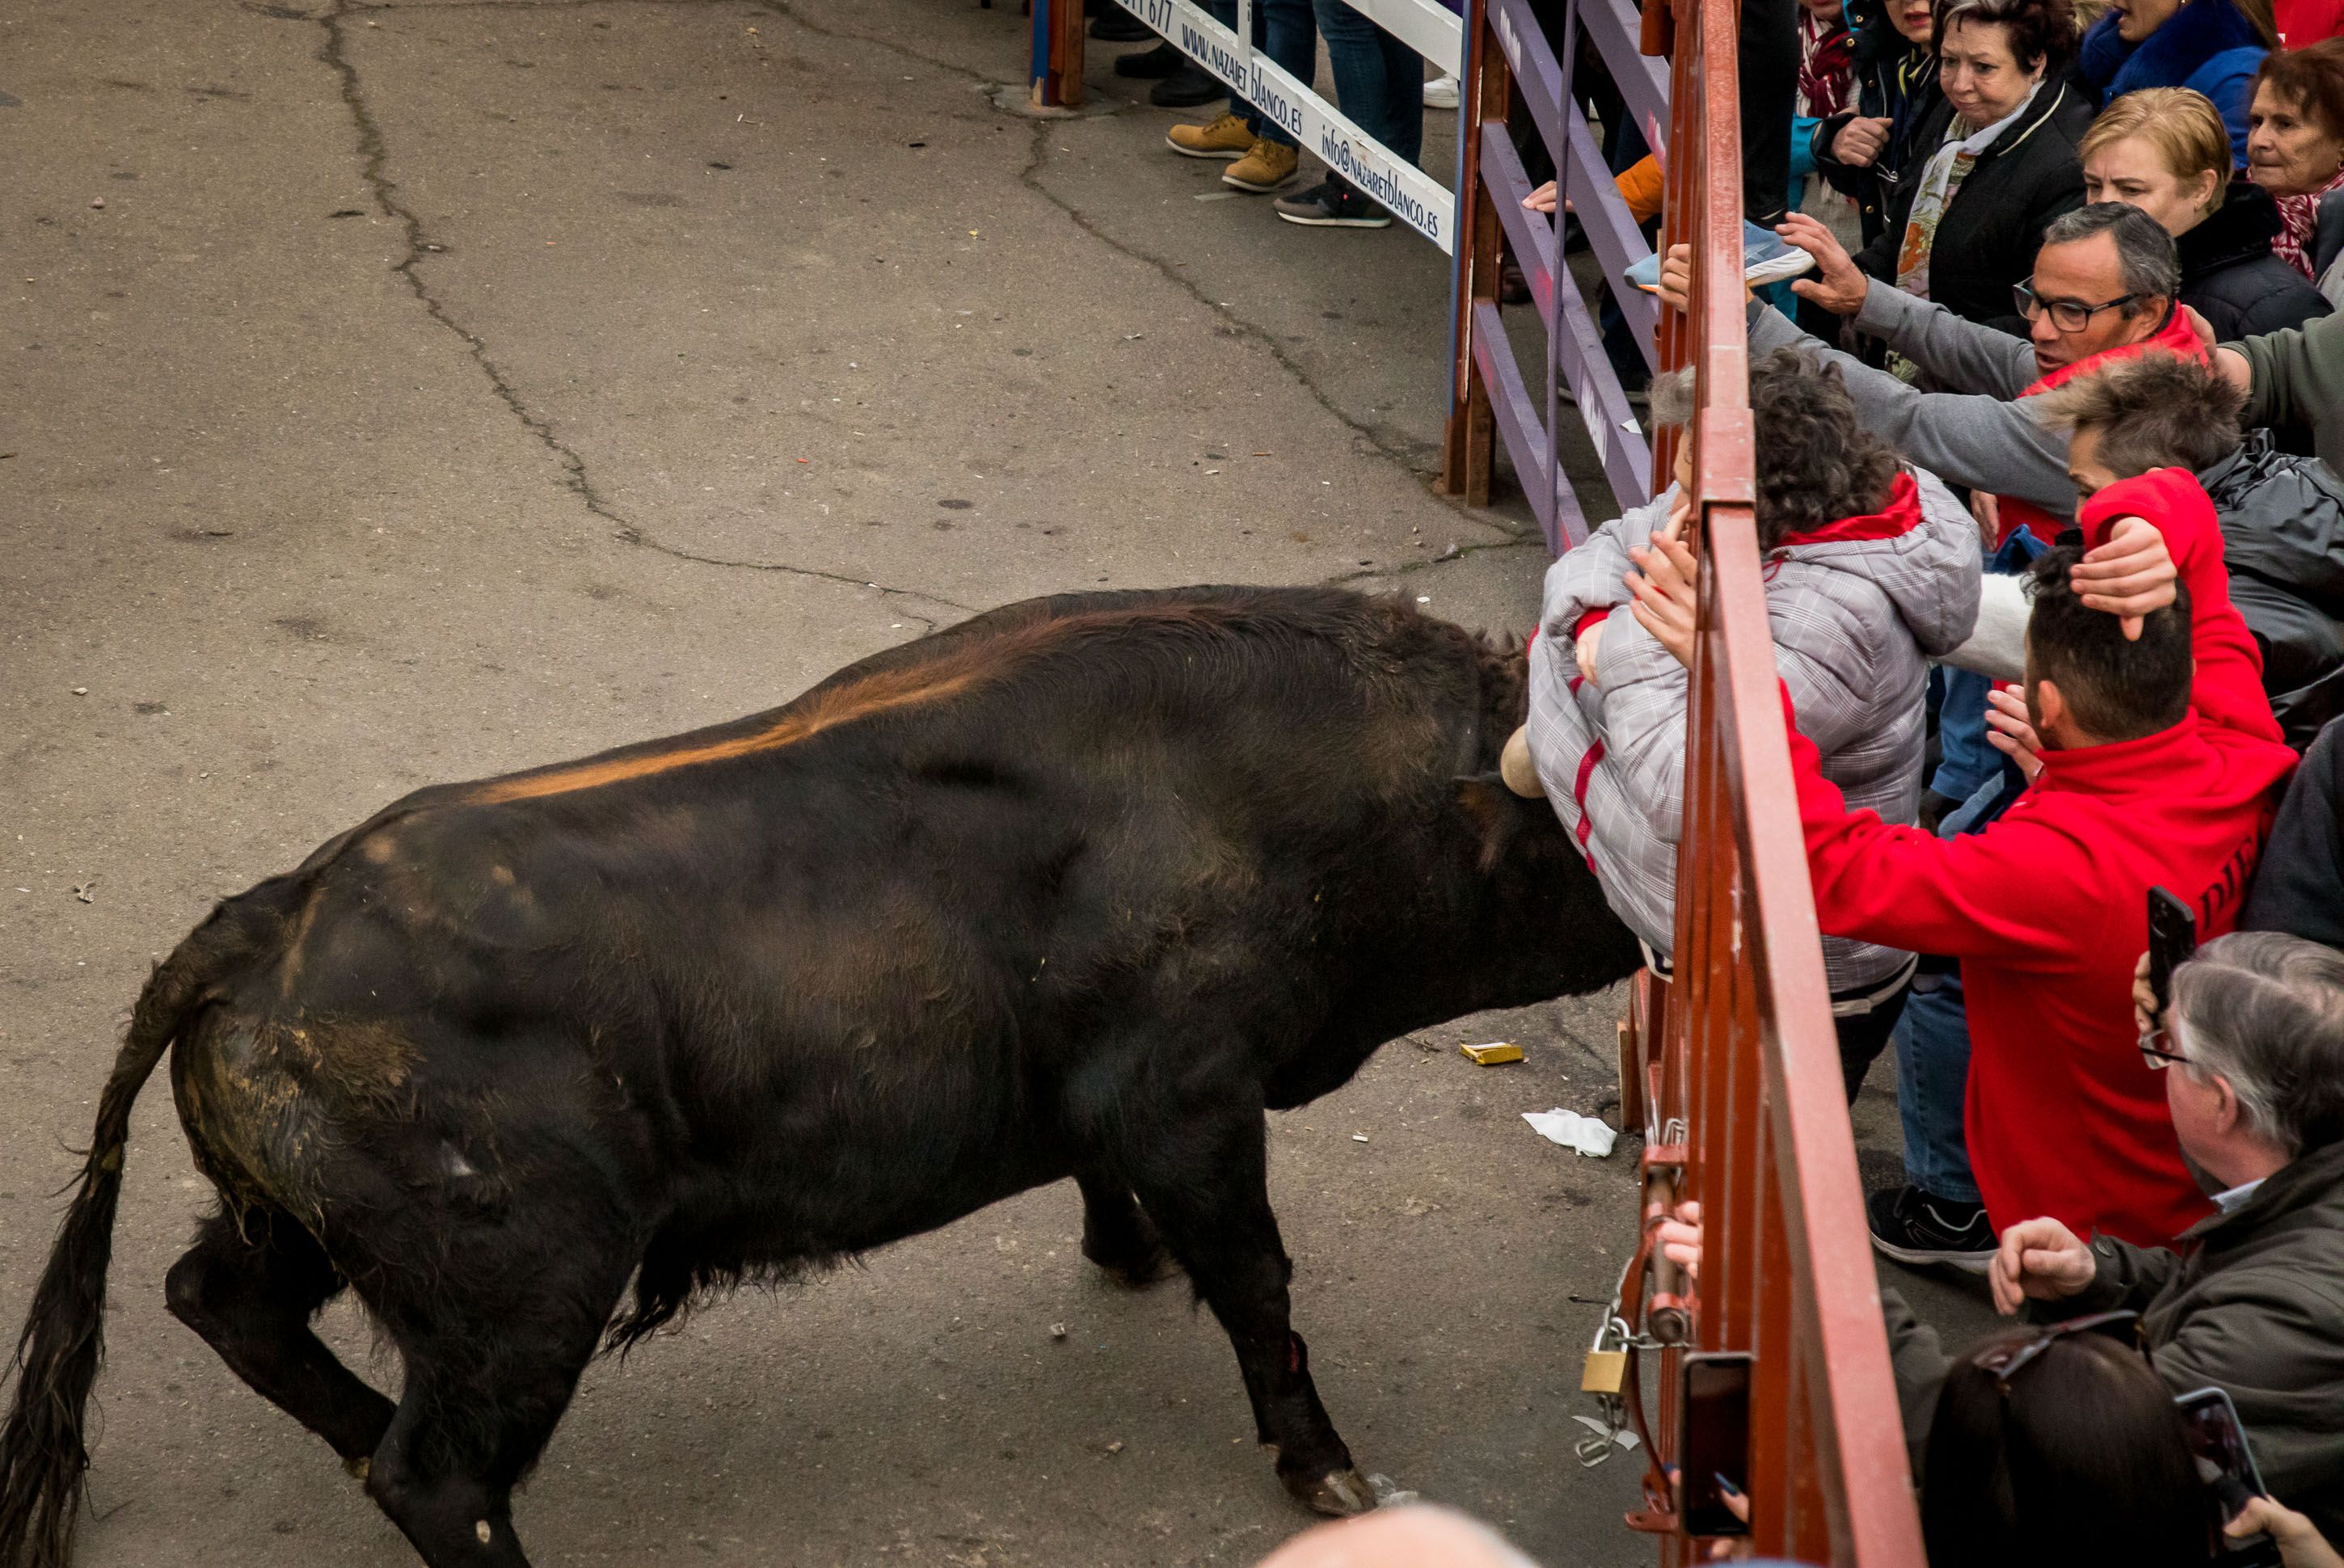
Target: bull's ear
1506 822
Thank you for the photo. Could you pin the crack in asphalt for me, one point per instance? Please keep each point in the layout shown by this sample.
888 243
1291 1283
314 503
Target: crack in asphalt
374 157
1410 568
374 154
1413 456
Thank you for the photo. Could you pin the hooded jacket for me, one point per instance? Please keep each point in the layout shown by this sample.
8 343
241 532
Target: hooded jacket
2207 47
2254 1306
2047 909
2283 537
2229 276
1857 607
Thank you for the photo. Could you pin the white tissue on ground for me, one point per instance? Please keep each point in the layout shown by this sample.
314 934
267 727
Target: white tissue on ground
1388 1492
1586 1133
1623 1437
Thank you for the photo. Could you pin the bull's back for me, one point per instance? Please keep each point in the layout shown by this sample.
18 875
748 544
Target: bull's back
886 916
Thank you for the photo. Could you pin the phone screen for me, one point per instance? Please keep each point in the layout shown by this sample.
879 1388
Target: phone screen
2172 938
1715 1443
2228 1466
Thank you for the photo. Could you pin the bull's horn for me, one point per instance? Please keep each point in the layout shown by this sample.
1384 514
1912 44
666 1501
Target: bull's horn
1514 766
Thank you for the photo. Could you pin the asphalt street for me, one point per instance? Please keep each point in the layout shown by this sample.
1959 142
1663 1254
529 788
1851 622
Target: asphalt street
410 393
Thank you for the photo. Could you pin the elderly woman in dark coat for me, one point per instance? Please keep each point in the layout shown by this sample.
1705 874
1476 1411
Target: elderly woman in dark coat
1999 159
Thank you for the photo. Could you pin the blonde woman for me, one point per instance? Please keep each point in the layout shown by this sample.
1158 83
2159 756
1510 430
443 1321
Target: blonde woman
2167 151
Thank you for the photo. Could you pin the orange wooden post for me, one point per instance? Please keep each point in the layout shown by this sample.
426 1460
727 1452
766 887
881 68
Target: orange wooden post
1057 78
1469 444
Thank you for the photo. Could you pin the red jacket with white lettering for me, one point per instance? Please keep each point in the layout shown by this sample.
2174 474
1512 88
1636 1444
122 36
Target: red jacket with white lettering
2047 909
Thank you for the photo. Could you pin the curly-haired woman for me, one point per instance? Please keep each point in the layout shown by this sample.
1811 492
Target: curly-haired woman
1872 570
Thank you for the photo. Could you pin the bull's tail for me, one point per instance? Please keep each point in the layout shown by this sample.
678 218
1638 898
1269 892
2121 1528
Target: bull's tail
42 1456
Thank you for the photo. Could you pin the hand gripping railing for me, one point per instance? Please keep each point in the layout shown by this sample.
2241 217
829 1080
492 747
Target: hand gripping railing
1734 1069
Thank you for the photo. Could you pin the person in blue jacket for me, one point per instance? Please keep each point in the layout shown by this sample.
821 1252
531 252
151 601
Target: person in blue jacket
2210 46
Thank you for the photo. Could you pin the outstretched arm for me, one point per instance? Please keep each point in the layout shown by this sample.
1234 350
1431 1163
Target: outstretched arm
1965 356
1984 442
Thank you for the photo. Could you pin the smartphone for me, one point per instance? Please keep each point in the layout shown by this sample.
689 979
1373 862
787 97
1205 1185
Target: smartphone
2172 938
1713 1439
2228 1464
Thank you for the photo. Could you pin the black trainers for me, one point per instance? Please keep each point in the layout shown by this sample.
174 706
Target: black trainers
1332 204
1151 64
1114 24
1187 86
1911 1227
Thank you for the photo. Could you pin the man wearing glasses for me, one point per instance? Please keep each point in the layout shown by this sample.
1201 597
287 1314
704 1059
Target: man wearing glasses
2103 288
2252 1053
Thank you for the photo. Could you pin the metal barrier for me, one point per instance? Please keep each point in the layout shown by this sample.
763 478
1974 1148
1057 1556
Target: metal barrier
1741 1054
1736 1075
1509 57
1433 31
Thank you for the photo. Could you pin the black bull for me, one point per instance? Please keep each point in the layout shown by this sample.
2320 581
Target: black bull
1076 888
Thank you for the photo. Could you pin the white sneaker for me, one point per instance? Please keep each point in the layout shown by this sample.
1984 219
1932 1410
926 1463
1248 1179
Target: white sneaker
1441 93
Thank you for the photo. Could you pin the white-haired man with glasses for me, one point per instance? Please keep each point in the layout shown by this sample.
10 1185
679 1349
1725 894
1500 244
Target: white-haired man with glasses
2252 1049
2102 289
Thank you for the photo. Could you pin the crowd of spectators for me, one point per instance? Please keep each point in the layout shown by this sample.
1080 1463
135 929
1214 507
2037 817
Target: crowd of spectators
2056 577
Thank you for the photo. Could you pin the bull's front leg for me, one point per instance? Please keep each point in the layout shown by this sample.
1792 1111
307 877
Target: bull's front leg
1204 1178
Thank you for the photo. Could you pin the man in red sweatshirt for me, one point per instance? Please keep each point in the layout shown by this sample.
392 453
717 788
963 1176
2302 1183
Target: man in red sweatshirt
2149 777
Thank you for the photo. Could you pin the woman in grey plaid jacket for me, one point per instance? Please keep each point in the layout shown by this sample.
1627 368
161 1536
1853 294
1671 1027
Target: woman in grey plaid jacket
1872 570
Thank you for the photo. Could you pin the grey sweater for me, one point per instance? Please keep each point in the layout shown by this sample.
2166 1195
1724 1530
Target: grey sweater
1980 434
1852 620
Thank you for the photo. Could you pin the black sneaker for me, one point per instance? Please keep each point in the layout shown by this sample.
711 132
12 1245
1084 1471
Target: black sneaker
1911 1227
1114 24
1187 86
1332 204
1149 65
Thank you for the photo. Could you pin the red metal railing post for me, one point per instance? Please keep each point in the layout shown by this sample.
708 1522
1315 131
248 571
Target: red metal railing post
1748 1058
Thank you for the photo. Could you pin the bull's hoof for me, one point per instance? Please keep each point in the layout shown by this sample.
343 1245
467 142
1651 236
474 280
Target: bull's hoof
1339 1492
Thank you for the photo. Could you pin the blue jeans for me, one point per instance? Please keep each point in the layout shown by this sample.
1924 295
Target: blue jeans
1932 1076
1379 80
1285 31
1933 1044
1965 759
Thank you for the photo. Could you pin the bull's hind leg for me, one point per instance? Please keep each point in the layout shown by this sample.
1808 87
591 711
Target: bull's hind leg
495 1316
1206 1183
250 1291
1118 1236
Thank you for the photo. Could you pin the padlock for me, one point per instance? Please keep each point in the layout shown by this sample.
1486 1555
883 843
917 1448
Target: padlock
1607 1359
